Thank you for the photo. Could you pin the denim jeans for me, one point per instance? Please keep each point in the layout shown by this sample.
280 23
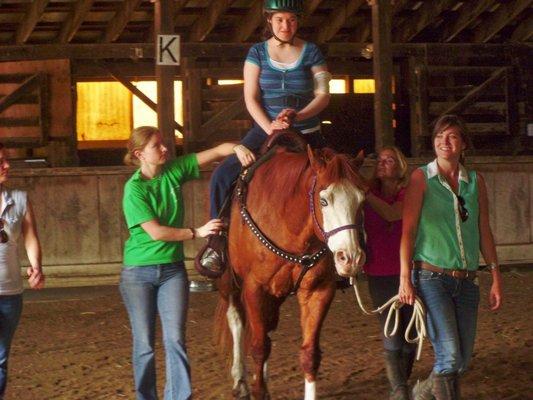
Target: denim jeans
226 173
381 289
451 306
10 310
146 291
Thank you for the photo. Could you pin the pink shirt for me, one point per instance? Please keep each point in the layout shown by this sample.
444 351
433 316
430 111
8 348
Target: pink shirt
383 240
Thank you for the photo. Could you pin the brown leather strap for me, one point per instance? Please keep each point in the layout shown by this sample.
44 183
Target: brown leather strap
455 273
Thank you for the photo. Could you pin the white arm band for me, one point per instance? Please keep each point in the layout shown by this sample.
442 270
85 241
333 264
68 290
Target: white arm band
321 80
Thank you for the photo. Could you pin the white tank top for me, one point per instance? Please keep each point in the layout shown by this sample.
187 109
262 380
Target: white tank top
12 213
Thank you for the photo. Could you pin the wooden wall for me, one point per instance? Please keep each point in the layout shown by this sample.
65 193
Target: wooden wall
59 142
82 230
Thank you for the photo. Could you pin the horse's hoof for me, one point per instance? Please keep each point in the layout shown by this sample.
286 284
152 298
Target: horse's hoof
241 391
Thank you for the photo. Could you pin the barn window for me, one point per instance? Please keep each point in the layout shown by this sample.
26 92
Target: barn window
107 111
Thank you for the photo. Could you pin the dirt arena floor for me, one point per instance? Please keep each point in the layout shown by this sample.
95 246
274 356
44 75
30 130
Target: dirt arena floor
75 344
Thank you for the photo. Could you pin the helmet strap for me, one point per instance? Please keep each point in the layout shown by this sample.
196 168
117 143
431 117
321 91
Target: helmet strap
281 41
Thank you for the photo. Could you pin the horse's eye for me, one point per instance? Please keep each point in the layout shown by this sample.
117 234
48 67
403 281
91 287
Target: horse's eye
323 202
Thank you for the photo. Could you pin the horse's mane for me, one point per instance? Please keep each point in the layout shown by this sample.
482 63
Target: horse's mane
287 170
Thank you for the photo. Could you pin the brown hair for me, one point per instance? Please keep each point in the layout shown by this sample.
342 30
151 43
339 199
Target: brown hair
138 139
447 121
403 178
267 28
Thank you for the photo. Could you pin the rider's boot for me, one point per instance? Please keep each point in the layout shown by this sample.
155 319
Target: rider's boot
213 259
396 375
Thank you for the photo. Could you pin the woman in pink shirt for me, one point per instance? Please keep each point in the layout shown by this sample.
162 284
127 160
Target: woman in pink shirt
383 226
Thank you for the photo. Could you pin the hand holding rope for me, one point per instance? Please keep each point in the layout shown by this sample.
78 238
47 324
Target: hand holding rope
418 318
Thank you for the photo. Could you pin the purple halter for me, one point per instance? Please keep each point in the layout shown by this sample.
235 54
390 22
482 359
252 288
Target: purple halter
325 234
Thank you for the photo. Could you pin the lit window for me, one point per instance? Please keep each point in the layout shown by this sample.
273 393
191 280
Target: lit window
364 86
230 81
337 86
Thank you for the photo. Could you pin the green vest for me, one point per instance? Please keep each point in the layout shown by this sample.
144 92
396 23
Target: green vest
443 239
158 198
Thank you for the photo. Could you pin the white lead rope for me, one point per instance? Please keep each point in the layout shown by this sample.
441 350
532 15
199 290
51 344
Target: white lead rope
418 318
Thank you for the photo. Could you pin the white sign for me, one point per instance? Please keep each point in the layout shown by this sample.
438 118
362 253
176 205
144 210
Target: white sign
168 50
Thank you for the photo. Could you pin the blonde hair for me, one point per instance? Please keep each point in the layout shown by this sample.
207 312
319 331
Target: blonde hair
403 178
138 140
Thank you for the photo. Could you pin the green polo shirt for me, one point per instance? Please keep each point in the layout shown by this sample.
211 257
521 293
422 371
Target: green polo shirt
157 198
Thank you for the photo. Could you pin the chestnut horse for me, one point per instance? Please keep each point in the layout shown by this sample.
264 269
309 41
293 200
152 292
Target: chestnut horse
300 203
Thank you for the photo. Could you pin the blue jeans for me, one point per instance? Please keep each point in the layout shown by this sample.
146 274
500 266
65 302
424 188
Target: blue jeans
10 310
146 291
451 306
227 172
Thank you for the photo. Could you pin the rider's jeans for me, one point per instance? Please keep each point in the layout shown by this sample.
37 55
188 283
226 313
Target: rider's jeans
451 306
146 291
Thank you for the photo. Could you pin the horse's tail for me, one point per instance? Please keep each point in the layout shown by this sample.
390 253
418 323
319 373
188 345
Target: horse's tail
229 294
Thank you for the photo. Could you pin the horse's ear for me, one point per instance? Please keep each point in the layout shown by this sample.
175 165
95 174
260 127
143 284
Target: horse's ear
359 159
315 163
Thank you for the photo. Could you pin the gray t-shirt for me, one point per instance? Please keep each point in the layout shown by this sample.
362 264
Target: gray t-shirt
12 214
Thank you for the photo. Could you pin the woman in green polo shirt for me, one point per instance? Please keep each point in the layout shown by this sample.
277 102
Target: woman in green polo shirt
445 226
154 280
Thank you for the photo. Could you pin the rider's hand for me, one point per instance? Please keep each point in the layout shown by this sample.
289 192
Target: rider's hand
211 228
245 156
287 115
277 125
406 291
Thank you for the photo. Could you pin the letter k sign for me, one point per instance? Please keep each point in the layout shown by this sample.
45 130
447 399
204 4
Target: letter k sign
168 50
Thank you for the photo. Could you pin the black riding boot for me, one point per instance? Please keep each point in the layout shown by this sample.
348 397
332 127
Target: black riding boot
446 386
396 375
423 389
408 359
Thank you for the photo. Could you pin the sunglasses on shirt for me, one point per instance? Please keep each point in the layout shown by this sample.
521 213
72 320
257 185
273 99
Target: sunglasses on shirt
3 234
463 212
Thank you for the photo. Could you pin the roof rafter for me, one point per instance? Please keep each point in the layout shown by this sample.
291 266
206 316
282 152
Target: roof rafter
523 31
207 21
250 23
499 18
362 33
120 20
337 19
427 14
74 21
35 11
467 14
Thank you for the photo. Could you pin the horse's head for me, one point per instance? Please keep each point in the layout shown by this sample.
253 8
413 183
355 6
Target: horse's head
339 194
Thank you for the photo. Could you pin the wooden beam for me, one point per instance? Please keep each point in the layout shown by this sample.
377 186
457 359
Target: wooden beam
33 16
119 21
249 24
136 51
178 6
111 70
523 31
225 115
74 20
337 18
207 21
23 89
427 14
474 94
164 74
504 14
363 31
468 13
418 102
382 61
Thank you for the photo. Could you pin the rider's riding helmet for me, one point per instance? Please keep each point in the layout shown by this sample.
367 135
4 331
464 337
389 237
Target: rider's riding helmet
293 6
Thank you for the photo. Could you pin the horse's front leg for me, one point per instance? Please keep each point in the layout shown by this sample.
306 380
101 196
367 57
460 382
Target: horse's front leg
314 306
254 299
238 370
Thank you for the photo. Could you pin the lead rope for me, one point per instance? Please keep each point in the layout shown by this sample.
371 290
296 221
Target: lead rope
418 319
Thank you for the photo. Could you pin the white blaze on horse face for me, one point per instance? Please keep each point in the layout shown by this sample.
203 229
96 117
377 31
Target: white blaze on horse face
340 203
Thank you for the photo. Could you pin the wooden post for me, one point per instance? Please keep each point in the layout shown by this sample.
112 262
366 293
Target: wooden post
164 25
381 34
419 106
192 90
